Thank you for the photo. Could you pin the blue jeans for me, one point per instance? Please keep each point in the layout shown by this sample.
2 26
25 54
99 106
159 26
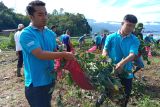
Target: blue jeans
39 96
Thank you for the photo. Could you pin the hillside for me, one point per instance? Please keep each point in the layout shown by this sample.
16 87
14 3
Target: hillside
114 26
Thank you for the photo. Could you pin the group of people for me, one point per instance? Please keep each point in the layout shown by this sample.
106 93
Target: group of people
64 39
39 47
97 39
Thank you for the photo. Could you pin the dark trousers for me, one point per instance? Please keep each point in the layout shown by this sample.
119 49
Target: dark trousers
98 46
127 83
20 59
39 96
68 48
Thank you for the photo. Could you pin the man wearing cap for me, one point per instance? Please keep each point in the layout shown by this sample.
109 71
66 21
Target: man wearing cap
98 40
138 30
66 40
138 60
19 50
81 40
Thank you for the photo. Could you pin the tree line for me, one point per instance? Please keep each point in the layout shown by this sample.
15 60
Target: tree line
76 23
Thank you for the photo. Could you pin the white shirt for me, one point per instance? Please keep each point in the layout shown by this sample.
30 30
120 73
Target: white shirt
17 43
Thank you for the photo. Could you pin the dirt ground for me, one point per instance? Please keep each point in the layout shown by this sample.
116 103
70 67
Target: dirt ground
12 87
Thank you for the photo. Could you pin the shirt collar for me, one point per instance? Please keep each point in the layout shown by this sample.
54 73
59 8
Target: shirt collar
34 27
118 32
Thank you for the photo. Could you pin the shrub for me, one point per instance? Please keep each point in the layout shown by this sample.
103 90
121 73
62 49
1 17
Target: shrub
12 42
4 41
146 101
4 45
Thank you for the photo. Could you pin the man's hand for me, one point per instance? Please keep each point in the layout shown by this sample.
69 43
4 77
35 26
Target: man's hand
104 53
69 56
119 66
46 55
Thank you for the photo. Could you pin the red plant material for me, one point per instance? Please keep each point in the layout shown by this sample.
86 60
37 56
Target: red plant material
57 68
78 75
148 50
92 49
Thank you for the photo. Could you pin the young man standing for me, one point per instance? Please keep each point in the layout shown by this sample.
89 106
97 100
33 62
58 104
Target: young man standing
66 41
138 62
98 39
121 47
19 50
38 46
81 41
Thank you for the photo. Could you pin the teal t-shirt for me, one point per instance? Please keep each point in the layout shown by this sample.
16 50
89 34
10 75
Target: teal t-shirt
81 39
98 39
61 37
37 71
119 47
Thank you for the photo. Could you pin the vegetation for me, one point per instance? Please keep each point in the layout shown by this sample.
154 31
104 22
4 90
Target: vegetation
9 19
76 23
93 66
7 42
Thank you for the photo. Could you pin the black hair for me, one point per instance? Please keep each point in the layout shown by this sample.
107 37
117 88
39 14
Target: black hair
53 26
30 8
130 18
67 30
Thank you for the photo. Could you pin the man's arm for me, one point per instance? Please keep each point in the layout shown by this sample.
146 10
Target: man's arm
129 58
46 55
58 41
133 52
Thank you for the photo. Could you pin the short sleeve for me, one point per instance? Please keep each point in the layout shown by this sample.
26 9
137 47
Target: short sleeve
107 42
28 42
15 37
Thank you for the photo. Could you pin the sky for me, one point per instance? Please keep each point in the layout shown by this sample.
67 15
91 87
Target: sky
99 10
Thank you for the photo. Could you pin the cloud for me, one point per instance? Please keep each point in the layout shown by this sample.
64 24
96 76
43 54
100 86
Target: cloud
100 10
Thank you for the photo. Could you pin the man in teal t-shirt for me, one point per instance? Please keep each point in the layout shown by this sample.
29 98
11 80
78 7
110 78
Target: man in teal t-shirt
121 47
81 40
98 40
39 46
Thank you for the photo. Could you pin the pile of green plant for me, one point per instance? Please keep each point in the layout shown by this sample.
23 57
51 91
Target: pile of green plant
101 73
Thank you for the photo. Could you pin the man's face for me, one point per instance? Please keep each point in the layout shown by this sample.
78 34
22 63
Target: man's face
39 17
68 33
127 27
139 30
54 29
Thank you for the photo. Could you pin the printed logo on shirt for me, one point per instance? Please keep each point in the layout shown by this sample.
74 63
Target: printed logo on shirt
30 43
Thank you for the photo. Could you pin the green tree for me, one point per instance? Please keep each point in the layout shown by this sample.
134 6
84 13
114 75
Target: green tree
9 19
76 23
